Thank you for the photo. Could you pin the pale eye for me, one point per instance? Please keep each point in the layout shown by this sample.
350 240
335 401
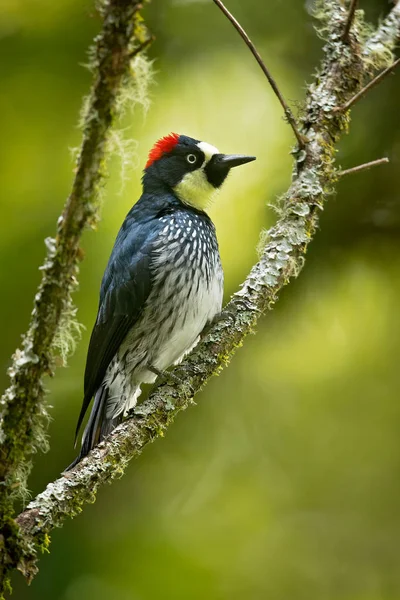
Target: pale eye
191 158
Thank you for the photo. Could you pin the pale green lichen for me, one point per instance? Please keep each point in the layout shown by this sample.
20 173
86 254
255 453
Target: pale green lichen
122 147
378 49
69 332
134 93
84 114
136 88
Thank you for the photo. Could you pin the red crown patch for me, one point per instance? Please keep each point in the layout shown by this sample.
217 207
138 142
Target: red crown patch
165 144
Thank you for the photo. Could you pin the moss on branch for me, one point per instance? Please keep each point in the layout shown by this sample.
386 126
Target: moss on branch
343 72
23 412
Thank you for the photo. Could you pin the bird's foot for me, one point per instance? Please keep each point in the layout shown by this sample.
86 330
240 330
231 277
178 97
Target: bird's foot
166 375
169 377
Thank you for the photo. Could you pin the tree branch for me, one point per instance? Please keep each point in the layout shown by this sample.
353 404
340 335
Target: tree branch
363 167
301 139
380 44
350 20
282 257
23 415
368 87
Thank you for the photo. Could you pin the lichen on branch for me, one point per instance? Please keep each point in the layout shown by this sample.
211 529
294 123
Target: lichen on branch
345 67
23 412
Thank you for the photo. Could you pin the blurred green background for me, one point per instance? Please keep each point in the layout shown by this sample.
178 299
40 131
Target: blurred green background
284 481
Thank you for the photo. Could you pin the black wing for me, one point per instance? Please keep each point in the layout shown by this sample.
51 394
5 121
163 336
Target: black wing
125 288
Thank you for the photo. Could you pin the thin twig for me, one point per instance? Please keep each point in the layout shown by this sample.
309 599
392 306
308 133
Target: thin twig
301 139
142 46
364 166
366 88
350 19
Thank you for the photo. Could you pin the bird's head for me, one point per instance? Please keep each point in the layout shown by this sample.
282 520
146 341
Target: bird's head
193 170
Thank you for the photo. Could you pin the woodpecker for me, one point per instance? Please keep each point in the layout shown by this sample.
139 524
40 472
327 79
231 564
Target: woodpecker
163 282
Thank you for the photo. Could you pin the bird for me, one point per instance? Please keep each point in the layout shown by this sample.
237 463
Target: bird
163 283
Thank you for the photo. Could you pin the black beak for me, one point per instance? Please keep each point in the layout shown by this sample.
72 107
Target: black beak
220 165
227 161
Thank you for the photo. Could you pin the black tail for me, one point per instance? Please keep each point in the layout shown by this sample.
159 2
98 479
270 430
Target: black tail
98 425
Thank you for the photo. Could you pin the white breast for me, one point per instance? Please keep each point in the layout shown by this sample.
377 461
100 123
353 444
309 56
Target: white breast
192 286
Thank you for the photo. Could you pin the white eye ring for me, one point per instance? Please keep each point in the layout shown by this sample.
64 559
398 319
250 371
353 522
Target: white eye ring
191 158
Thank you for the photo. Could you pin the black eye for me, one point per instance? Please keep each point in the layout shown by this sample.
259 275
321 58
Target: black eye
191 158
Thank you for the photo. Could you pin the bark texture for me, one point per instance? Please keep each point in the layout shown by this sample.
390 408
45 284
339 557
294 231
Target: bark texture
344 70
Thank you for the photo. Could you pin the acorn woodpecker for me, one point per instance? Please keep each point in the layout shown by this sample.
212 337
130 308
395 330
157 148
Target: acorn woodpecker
163 283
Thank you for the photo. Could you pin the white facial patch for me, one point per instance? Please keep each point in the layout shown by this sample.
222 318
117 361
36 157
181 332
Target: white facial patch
208 150
195 189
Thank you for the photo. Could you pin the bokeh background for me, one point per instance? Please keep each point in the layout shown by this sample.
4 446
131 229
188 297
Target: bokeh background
284 480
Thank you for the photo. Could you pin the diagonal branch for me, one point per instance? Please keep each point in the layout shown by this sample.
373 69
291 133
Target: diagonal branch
301 139
369 86
364 167
381 41
282 257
